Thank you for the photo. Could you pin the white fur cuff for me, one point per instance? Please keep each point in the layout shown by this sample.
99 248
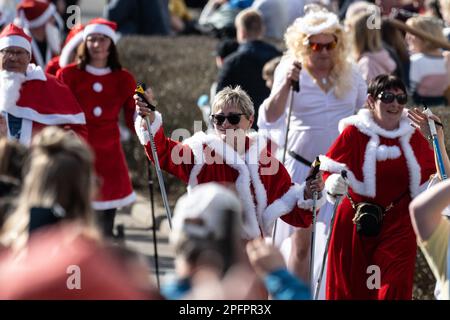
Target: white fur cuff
142 133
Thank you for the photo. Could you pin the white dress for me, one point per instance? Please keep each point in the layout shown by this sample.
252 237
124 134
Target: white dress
313 128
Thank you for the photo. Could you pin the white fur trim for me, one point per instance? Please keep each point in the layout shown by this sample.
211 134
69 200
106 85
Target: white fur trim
15 41
35 72
48 119
100 28
97 71
365 124
252 156
112 204
69 48
280 207
43 18
388 152
196 144
142 133
412 163
308 23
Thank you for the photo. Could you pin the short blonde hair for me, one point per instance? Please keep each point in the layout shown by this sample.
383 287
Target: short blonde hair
430 25
236 97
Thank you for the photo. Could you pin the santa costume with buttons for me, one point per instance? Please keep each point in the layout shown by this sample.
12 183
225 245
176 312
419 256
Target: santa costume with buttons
36 17
32 100
102 93
383 167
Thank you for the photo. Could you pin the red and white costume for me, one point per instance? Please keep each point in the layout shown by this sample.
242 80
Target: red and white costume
381 165
38 100
34 14
73 40
261 182
102 94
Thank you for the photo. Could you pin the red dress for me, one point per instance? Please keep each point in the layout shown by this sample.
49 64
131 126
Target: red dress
102 94
381 166
261 182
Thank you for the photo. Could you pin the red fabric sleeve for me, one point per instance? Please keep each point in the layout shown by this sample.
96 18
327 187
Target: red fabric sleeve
174 157
129 107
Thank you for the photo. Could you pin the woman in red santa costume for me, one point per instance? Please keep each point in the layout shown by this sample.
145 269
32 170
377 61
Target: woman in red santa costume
103 88
388 162
29 98
233 156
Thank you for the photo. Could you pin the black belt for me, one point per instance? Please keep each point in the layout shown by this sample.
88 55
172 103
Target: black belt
299 158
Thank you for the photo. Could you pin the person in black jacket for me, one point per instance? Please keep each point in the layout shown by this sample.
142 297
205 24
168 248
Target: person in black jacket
244 67
139 16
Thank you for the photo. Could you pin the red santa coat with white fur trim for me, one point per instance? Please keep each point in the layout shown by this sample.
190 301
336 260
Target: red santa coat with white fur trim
40 100
381 165
102 94
261 182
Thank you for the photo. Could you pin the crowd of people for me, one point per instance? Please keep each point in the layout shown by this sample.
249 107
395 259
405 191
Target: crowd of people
319 162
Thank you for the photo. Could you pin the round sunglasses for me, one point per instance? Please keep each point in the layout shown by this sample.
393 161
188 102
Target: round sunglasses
233 118
389 97
318 47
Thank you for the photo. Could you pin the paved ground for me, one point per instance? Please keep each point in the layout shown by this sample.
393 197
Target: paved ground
137 222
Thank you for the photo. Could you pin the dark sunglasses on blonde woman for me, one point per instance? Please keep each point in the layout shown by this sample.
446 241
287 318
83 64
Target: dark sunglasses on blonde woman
233 118
389 97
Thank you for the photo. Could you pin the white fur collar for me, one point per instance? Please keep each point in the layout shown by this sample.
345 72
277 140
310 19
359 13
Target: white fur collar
97 71
35 72
365 123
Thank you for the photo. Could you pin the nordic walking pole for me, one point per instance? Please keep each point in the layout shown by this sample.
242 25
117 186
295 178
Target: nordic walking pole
152 206
140 89
295 88
325 254
436 147
316 167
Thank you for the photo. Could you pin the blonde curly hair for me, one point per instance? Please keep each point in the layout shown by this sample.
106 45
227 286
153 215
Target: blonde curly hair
296 40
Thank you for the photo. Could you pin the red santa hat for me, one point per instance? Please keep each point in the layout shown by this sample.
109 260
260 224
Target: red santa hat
73 40
102 26
13 36
35 13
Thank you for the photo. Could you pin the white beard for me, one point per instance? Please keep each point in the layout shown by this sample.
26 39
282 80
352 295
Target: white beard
53 37
10 85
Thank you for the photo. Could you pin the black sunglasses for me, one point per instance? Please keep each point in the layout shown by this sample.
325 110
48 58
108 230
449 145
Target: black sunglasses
389 97
233 118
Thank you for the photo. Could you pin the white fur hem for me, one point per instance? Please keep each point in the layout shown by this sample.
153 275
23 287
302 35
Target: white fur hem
112 204
280 207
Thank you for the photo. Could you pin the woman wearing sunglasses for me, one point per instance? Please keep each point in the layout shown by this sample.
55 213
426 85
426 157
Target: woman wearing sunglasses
234 157
388 162
330 89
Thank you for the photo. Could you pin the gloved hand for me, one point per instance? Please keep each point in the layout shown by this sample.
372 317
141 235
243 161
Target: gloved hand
336 185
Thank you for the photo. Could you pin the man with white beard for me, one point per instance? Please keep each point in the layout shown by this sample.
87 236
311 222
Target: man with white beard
38 18
29 98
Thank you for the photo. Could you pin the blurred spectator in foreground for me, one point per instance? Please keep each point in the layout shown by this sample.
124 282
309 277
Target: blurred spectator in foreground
54 250
139 16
